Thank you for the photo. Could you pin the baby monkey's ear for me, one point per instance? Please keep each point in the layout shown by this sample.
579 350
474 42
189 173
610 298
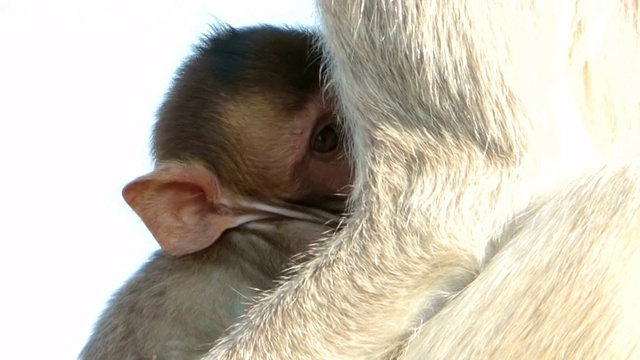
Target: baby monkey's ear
182 205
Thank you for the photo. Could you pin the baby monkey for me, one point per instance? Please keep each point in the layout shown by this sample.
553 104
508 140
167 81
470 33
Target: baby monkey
250 168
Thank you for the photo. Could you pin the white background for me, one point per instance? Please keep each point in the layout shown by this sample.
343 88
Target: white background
80 82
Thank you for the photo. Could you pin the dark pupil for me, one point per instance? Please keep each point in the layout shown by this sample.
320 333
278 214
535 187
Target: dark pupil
326 140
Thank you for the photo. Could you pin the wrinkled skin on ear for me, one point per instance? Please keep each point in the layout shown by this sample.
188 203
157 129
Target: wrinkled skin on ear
184 206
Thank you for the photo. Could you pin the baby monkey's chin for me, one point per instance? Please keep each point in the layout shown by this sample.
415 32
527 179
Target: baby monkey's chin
334 204
319 215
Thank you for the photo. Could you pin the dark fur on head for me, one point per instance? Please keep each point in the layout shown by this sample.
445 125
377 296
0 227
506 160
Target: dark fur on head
270 71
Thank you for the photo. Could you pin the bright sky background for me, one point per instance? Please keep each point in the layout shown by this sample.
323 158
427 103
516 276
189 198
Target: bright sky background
79 84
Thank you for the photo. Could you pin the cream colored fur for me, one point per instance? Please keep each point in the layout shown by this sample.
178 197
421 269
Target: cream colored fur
474 121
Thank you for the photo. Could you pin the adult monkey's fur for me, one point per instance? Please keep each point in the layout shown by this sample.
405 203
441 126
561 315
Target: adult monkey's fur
470 121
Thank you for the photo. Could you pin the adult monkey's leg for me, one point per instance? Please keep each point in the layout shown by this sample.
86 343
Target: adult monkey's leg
565 285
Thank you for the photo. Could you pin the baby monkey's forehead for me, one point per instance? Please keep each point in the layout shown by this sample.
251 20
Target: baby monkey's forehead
263 57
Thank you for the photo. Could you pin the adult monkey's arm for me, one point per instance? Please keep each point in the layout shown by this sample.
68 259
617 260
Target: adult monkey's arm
460 112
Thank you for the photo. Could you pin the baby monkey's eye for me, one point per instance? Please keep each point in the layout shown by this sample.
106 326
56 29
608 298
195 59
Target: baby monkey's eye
326 140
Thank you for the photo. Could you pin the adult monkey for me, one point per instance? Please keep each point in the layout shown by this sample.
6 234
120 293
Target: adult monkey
469 120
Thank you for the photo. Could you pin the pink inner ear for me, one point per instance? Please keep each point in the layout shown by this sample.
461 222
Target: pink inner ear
180 204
